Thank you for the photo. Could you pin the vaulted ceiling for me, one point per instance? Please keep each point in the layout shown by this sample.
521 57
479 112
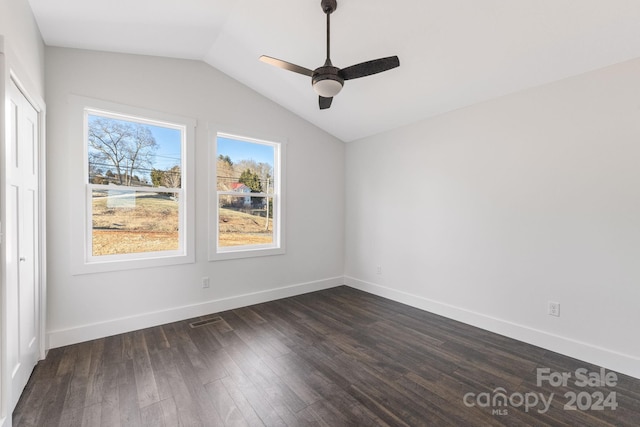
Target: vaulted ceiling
453 53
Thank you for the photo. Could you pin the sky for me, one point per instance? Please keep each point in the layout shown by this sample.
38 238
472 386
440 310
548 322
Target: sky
169 144
239 150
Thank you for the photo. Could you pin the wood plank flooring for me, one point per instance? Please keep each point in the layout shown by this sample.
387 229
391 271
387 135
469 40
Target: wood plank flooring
338 357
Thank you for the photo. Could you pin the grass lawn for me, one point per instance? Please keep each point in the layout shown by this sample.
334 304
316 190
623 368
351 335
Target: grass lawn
239 228
149 223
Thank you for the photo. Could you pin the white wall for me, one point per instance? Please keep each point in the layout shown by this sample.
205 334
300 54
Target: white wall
87 306
487 213
23 44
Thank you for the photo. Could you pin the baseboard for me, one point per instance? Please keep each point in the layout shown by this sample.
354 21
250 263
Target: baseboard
622 363
62 337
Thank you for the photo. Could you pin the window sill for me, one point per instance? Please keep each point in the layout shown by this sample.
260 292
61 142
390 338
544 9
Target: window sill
90 267
238 253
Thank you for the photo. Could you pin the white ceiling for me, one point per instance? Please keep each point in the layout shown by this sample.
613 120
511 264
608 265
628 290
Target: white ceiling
453 53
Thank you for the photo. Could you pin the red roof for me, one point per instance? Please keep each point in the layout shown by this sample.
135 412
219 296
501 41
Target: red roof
238 186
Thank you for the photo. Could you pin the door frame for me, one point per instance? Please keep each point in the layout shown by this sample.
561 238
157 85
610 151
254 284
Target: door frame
10 72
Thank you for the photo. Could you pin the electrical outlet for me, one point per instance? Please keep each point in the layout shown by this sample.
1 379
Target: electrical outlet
554 309
205 282
379 269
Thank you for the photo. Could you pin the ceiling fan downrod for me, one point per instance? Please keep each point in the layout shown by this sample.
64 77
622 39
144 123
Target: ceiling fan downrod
328 7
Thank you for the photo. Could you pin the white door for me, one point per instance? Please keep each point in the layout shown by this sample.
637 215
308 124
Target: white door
22 240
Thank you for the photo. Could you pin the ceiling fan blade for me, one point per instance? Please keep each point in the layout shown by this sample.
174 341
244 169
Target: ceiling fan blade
286 65
370 67
324 102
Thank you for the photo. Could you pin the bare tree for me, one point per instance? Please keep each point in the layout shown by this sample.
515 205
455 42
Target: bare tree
172 177
226 174
127 146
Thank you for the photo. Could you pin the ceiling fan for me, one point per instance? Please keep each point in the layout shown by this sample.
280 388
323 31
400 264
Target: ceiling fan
328 80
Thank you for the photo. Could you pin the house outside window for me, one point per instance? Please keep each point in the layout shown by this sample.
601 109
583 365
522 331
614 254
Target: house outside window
247 203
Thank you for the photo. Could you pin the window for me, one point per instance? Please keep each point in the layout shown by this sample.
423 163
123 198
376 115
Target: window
247 200
137 194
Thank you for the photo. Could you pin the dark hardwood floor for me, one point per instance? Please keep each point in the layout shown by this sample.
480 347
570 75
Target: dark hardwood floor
338 357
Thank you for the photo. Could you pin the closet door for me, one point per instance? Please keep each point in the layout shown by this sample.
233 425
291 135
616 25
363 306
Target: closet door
22 241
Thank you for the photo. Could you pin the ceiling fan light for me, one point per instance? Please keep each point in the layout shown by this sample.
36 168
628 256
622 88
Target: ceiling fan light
327 88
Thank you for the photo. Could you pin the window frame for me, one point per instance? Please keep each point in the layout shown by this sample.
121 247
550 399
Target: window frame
217 253
83 260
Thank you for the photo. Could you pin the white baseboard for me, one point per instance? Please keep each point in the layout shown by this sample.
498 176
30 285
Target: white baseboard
62 337
622 363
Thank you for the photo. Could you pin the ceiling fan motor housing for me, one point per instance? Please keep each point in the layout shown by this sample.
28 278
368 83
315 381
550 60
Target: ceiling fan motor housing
326 81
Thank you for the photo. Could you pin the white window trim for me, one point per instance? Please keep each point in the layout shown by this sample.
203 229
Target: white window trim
82 262
247 251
